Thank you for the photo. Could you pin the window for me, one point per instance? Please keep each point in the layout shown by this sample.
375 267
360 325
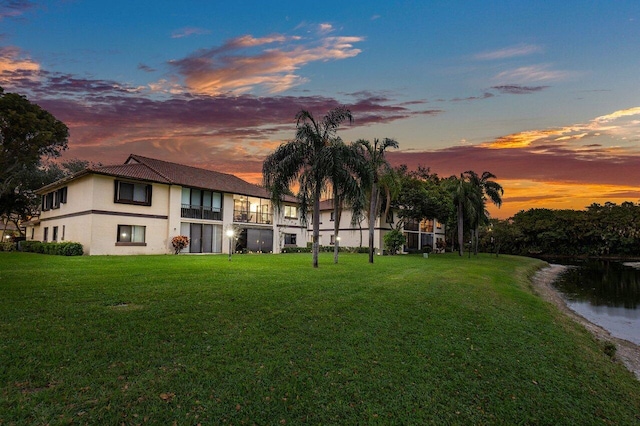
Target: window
46 234
55 234
63 226
291 212
332 240
131 235
52 200
290 239
133 193
333 217
201 204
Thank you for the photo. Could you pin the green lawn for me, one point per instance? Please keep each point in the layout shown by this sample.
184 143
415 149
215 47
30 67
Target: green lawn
266 339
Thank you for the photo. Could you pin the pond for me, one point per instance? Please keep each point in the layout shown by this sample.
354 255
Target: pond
605 293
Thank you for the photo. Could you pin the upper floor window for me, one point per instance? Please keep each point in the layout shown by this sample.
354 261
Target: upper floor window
201 204
133 193
53 199
291 212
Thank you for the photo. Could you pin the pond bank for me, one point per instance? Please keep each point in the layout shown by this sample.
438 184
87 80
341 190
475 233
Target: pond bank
628 353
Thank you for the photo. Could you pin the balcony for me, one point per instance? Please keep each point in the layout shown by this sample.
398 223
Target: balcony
252 217
190 211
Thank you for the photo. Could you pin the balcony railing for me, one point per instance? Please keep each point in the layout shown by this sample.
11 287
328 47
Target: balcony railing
252 217
200 212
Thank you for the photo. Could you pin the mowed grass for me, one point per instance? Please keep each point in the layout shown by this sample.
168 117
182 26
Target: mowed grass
266 339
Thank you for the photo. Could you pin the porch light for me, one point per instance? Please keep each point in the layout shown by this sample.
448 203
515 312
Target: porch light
230 234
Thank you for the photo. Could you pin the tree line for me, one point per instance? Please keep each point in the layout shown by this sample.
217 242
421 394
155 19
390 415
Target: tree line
600 230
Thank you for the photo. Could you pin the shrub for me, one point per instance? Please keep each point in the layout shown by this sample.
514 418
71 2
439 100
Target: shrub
60 249
7 246
393 241
179 243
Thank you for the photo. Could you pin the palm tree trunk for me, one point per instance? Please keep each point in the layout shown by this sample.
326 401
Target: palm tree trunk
316 226
336 227
460 229
372 219
477 241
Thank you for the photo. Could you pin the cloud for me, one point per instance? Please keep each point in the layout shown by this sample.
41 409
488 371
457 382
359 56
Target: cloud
14 8
189 31
516 89
533 73
617 114
12 59
485 95
325 28
236 68
509 52
145 68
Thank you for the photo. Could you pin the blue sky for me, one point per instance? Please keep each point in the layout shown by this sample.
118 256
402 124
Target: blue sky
543 94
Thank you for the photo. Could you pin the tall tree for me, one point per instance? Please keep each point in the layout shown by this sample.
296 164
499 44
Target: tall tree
466 200
488 190
28 134
378 166
421 196
303 161
348 177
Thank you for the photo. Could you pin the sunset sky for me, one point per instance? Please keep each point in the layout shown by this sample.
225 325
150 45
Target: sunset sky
543 94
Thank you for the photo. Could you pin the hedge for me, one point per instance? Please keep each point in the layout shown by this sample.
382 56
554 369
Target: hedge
60 249
7 246
325 249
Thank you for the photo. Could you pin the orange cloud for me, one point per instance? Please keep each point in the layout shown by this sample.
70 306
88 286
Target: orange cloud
232 68
13 62
607 125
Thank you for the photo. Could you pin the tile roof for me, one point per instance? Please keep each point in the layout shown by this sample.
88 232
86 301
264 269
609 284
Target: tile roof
153 170
180 174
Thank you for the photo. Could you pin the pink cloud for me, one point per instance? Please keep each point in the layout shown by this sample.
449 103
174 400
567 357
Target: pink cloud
235 68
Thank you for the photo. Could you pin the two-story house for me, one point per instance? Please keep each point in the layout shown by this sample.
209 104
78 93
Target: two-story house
139 206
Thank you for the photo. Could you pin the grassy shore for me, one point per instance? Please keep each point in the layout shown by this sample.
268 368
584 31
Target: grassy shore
267 339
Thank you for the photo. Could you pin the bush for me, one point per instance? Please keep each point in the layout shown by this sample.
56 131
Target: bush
179 243
7 246
325 249
60 249
393 241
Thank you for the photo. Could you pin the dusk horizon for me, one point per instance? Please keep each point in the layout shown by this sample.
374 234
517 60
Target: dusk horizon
543 96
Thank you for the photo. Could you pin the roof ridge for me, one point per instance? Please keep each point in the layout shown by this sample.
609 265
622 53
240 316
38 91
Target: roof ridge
136 157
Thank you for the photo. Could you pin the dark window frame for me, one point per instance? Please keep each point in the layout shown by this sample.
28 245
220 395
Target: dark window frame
119 242
118 190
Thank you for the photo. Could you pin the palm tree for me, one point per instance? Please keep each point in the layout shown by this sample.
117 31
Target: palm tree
304 161
348 176
488 189
466 199
377 165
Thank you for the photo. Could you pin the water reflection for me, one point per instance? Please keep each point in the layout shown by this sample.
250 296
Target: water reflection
602 284
607 294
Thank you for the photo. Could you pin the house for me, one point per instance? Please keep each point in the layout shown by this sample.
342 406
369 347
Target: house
139 206
425 233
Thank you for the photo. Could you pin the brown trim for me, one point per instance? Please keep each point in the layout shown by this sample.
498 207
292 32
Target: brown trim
132 244
284 225
106 213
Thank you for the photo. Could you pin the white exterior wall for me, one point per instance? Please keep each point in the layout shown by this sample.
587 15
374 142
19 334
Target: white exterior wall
91 217
286 225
